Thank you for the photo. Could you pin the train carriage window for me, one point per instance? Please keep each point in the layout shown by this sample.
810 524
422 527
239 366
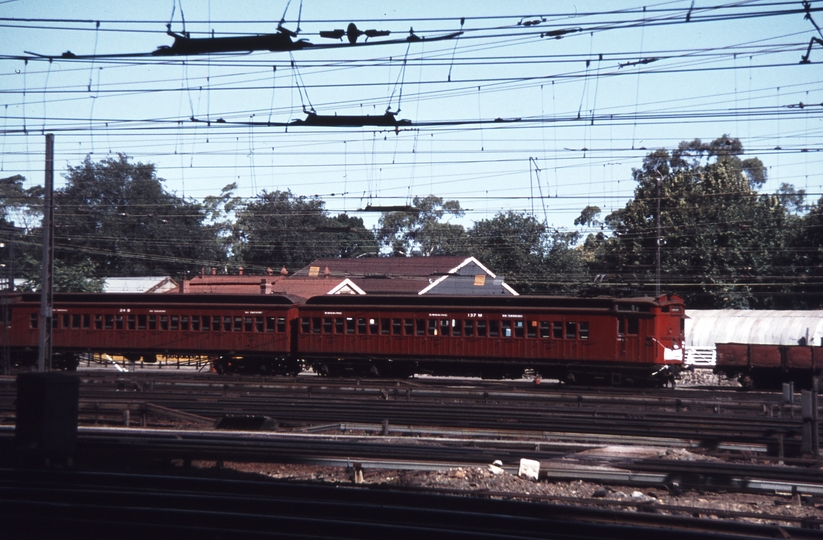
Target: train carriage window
432 326
385 326
98 322
584 330
141 322
316 325
132 324
34 321
350 324
507 329
457 327
238 324
227 323
258 323
108 322
557 330
409 327
519 328
248 324
184 323
86 320
164 322
66 320
397 326
175 322
571 330
494 328
195 323
269 324
206 324
118 322
634 325
544 329
281 324
305 325
215 323
338 325
373 326
531 329
152 322
468 328
481 328
421 327
444 327
361 325
327 325
53 322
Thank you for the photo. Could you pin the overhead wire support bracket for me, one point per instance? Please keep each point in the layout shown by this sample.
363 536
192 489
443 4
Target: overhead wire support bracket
807 6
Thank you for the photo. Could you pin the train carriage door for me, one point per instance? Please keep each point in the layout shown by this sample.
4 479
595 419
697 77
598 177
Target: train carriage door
628 337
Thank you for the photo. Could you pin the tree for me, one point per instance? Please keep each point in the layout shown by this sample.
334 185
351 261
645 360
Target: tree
721 241
282 229
78 278
534 259
118 215
18 204
420 230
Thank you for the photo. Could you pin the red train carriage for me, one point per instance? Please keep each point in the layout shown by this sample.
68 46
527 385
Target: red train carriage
768 366
612 340
251 331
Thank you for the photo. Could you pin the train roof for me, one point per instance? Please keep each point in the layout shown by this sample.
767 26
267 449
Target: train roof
167 298
523 301
707 327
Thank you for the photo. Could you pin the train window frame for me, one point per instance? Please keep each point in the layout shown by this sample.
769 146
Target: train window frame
237 323
570 330
507 328
270 322
482 328
216 323
108 321
351 325
633 326
457 327
131 322
385 326
420 329
118 321
431 327
86 321
248 324
226 323
281 325
195 323
373 326
316 325
397 327
305 325
174 323
494 328
339 325
259 325
152 322
531 329
34 321
328 325
583 330
362 327
164 322
98 321
557 329
142 321
545 330
408 326
66 321
445 327
519 329
205 326
468 328
184 323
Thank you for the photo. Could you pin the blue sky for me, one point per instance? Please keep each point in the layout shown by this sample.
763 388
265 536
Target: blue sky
589 106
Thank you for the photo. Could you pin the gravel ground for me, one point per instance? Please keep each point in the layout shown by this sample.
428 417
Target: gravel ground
492 481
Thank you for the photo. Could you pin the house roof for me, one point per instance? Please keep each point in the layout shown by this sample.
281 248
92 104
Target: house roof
147 284
227 284
411 267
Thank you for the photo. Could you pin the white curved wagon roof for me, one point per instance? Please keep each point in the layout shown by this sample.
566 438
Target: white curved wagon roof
705 328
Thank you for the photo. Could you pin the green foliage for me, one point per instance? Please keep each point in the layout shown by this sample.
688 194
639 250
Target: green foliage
77 278
421 230
721 241
281 229
117 215
18 204
533 259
